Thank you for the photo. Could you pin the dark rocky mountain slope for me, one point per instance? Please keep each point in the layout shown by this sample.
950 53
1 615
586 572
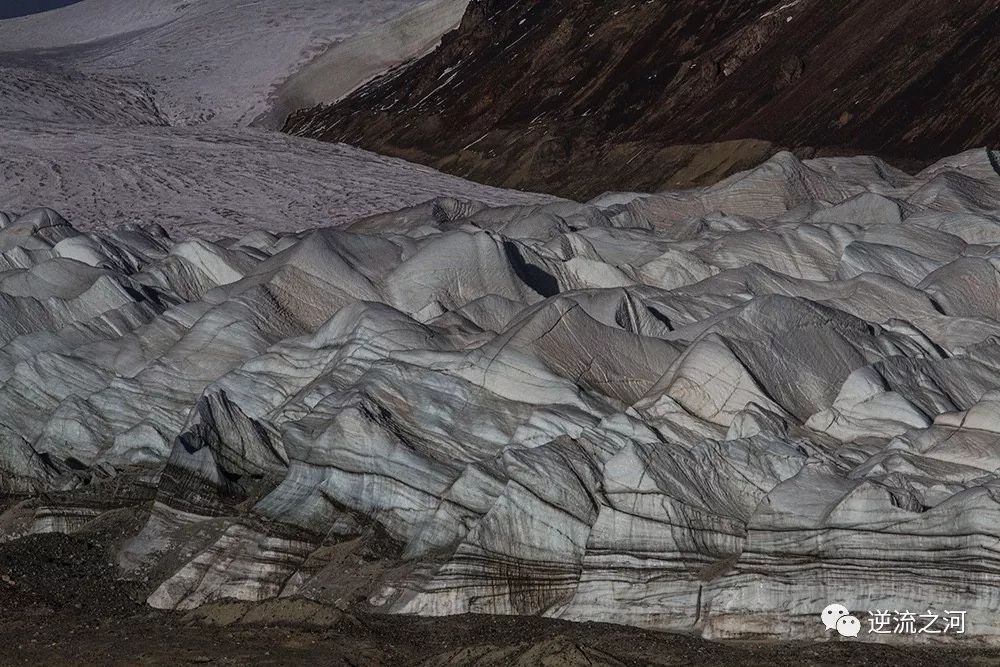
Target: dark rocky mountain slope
576 97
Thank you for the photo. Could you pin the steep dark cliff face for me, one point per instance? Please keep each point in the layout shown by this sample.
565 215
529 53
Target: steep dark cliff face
579 96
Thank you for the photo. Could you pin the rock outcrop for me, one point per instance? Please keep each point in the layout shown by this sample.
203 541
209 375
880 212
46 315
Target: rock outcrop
578 97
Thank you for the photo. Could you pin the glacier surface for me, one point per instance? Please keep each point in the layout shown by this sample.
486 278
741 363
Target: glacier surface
711 411
222 61
119 111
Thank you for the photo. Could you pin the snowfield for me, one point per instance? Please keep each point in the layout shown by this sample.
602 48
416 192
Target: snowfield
212 60
115 112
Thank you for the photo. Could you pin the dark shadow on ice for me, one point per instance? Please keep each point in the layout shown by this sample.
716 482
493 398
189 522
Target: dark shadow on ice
533 276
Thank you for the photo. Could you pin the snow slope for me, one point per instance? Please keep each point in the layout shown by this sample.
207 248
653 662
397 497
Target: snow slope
213 60
358 59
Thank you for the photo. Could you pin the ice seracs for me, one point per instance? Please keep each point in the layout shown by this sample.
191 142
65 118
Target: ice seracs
709 411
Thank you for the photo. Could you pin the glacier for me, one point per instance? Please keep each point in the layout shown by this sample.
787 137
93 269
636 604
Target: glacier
709 411
119 111
224 62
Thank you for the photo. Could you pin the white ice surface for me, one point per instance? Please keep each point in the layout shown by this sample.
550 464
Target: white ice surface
213 182
212 60
118 111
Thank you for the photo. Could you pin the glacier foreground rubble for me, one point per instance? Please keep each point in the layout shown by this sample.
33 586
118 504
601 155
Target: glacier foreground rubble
713 411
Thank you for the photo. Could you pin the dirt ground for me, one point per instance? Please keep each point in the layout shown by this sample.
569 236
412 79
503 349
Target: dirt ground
61 604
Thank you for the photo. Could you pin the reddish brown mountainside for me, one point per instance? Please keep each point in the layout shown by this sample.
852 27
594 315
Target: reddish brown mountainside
579 96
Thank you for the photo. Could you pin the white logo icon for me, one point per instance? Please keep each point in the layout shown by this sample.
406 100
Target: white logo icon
885 622
832 614
848 626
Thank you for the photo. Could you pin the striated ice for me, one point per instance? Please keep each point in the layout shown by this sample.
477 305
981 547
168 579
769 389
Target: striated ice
711 411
